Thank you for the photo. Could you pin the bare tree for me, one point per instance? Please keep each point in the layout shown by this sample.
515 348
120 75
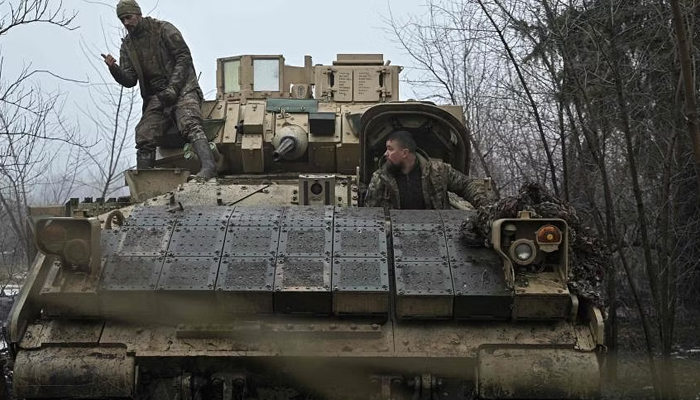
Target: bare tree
112 115
25 12
32 128
461 59
604 77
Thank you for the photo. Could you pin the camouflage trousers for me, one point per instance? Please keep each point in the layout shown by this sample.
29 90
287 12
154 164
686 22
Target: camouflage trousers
156 120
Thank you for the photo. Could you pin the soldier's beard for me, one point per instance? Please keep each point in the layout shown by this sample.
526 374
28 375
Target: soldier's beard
134 29
392 168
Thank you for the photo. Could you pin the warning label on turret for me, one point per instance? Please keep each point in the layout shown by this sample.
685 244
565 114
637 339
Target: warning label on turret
366 84
343 85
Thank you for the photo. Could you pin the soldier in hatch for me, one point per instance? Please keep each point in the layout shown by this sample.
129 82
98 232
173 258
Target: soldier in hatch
155 54
410 181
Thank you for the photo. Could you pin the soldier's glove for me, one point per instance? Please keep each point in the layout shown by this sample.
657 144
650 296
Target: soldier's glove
167 96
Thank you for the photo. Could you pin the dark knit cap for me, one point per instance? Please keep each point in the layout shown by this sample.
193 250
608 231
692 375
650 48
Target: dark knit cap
125 7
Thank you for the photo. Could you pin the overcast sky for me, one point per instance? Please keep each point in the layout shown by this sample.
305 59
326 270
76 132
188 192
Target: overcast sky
213 29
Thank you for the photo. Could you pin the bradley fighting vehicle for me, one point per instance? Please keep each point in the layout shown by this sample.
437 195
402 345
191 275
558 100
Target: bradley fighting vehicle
274 282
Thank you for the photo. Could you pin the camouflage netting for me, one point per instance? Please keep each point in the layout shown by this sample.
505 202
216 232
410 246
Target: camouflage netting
588 256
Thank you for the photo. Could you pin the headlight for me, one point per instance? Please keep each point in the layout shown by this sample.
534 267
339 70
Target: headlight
76 241
52 237
523 251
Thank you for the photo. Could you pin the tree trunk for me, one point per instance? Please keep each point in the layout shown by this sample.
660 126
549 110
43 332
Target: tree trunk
691 112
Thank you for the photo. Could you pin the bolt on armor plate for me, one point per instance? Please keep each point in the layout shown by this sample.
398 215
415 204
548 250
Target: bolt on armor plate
423 278
189 273
359 242
306 242
302 286
361 274
358 216
308 216
256 216
477 277
415 220
246 274
480 287
131 272
150 216
140 240
197 241
423 290
245 285
249 241
110 241
204 216
303 274
419 246
360 286
452 219
457 250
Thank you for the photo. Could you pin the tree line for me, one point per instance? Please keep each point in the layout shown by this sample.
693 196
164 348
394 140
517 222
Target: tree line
46 156
595 99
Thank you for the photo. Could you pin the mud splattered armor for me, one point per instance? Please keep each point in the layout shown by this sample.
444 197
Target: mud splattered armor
437 178
157 58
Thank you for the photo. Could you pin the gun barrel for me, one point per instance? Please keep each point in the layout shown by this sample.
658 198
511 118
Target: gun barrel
287 145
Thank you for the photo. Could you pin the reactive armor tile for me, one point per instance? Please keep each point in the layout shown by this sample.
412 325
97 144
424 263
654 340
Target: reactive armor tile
301 273
244 285
246 273
419 246
308 216
186 290
302 285
423 278
306 242
453 219
251 241
358 216
458 250
359 242
360 274
189 273
424 290
131 273
360 286
139 240
204 216
110 241
415 220
197 241
480 286
256 216
150 216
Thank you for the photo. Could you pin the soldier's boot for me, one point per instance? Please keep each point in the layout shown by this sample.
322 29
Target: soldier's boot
145 159
206 158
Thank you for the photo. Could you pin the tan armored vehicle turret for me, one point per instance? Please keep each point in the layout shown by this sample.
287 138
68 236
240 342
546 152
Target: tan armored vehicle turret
274 282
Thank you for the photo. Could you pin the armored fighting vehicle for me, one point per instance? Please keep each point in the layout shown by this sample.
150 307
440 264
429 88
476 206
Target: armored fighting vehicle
275 282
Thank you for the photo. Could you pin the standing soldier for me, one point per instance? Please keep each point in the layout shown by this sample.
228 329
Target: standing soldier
410 181
155 54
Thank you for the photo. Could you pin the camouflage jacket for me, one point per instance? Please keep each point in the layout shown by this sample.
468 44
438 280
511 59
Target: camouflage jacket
159 50
437 178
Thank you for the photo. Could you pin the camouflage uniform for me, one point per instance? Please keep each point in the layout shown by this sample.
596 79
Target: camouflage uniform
156 56
437 178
